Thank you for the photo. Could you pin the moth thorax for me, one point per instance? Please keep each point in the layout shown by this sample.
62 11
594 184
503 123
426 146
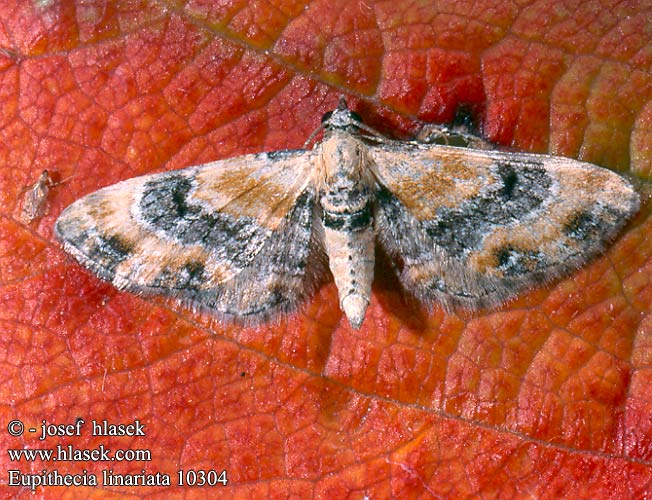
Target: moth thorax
342 157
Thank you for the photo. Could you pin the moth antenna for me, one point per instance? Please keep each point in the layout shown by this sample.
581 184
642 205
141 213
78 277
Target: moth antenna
375 134
313 135
342 106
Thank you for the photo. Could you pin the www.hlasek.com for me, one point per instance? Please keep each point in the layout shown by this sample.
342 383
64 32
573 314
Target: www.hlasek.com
105 477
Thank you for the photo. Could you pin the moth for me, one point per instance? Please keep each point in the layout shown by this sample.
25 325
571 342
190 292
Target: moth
250 237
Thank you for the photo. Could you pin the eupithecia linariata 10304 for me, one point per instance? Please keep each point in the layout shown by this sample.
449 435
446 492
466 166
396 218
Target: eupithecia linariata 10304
252 236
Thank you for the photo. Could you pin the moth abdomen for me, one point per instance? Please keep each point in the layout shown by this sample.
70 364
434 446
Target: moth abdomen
351 261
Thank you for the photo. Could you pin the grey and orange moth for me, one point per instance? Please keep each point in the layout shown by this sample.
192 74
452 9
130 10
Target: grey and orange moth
249 237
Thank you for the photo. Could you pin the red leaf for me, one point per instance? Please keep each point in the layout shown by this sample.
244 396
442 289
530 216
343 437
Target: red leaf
546 398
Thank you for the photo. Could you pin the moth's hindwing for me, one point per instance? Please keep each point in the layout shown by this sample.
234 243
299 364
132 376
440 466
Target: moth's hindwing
473 228
232 236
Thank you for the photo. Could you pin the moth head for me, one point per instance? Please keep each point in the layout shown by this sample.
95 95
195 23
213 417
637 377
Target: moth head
341 117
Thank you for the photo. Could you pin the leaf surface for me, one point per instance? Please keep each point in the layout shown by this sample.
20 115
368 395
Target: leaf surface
547 397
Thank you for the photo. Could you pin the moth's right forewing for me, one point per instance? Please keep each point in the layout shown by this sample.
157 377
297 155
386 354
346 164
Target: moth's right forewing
485 225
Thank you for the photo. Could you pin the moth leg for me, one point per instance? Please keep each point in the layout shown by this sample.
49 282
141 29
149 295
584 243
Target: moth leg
434 133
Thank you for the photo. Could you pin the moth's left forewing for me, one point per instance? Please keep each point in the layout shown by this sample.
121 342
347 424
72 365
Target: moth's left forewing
190 230
486 224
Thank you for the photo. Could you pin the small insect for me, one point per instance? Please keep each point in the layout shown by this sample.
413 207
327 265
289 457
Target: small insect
36 197
458 133
252 236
